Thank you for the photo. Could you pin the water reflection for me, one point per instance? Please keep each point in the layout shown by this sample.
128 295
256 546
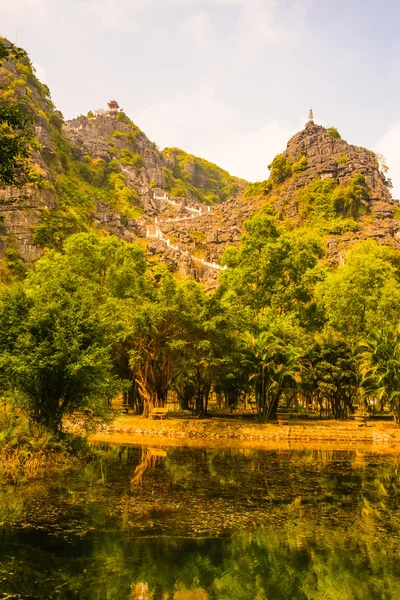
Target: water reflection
149 459
190 524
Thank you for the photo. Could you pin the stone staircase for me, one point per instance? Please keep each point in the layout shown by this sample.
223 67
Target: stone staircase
155 232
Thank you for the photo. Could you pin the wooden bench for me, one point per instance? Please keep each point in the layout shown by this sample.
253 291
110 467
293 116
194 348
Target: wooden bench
158 412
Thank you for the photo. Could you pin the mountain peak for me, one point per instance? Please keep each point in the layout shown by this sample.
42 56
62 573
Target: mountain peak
327 155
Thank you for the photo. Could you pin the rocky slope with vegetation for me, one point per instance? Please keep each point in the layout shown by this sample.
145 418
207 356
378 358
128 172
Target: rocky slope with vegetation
98 171
320 182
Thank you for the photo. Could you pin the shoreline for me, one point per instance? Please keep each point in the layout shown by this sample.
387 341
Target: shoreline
376 436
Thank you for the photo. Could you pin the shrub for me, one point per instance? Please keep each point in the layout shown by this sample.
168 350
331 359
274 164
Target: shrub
325 200
121 116
56 226
197 236
27 449
339 226
36 176
333 132
259 188
217 185
314 201
300 165
342 160
14 262
179 191
133 160
281 169
348 199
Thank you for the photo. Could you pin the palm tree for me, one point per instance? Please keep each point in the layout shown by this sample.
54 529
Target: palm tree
380 368
273 366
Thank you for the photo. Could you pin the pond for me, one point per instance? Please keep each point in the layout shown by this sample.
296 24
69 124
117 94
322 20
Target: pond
154 523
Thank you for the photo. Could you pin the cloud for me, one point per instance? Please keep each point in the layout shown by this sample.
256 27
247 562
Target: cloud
389 146
197 116
206 127
40 72
263 23
197 26
36 10
26 5
259 23
249 154
118 14
108 12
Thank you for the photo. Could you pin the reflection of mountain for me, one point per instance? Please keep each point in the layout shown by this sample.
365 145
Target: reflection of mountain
298 518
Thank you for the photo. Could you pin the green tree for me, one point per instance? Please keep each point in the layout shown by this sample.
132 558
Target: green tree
153 339
15 139
274 268
59 331
364 293
281 169
209 343
334 134
54 357
273 366
380 367
332 374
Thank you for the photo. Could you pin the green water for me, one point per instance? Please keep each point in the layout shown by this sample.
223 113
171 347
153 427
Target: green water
194 524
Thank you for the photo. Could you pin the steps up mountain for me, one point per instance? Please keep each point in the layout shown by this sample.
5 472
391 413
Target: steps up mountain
155 232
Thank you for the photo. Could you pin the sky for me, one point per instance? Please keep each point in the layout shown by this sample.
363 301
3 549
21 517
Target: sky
228 80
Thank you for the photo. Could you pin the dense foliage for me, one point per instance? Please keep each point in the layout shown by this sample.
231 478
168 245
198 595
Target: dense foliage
192 177
94 319
331 207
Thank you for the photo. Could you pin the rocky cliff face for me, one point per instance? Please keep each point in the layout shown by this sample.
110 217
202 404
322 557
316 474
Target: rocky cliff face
20 209
328 155
109 138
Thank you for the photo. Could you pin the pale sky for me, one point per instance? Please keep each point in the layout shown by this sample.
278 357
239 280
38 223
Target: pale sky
228 80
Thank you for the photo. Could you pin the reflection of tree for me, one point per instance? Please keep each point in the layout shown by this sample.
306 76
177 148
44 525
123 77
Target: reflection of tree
141 591
150 457
324 515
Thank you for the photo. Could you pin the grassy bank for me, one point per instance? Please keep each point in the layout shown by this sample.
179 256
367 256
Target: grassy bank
28 451
376 435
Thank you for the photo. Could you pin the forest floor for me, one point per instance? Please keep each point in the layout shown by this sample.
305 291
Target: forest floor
375 436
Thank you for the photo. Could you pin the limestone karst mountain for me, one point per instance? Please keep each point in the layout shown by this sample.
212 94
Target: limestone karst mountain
97 171
101 171
319 182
